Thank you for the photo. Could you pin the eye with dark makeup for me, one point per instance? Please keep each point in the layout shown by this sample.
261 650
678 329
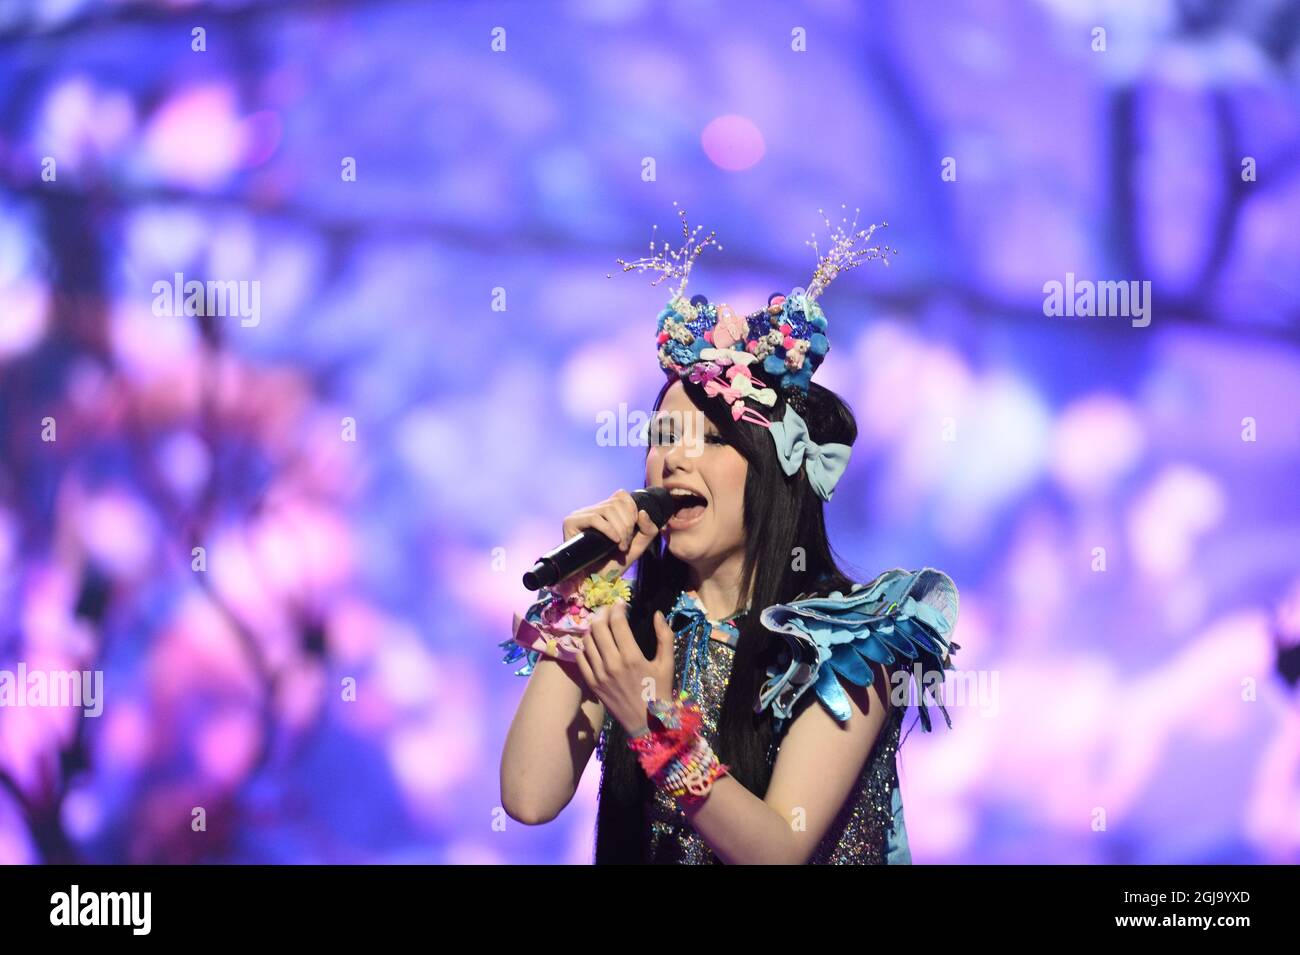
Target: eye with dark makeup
665 434
662 433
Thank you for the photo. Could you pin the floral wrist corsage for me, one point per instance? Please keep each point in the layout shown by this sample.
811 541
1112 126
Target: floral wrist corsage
556 623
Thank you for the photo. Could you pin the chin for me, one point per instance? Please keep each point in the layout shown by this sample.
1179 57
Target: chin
693 548
685 548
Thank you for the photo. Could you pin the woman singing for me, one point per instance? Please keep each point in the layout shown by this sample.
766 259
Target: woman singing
744 695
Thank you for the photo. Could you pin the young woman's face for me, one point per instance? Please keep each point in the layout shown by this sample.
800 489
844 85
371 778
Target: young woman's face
688 452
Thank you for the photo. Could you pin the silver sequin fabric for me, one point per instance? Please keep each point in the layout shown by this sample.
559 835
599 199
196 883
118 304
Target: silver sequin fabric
859 833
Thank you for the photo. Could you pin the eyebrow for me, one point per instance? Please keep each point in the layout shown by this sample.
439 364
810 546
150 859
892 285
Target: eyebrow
662 417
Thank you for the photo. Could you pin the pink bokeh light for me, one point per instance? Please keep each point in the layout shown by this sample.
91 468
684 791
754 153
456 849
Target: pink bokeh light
733 142
196 139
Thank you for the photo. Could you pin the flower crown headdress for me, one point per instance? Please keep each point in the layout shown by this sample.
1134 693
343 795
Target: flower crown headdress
777 347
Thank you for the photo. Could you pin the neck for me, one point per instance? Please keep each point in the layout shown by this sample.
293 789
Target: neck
718 586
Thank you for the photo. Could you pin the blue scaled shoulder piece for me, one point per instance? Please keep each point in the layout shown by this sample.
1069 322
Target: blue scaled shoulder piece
902 618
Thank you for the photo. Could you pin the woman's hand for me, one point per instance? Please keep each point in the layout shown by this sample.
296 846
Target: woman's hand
619 519
616 670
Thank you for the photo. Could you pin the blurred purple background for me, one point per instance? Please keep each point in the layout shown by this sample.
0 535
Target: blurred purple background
370 465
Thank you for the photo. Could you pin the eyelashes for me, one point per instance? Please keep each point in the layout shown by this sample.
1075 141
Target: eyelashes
665 437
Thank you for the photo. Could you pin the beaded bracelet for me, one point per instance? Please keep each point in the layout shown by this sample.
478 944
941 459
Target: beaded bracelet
677 757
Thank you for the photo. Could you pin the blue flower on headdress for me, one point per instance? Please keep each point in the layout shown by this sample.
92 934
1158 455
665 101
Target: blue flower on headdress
799 320
774 365
682 354
796 314
668 314
706 316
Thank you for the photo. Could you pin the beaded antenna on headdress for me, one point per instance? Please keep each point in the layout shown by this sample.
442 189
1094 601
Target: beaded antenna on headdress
776 348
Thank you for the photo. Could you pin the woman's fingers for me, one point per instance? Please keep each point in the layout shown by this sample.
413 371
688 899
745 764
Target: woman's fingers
588 675
609 528
604 656
624 641
645 527
663 662
664 635
609 517
619 519
591 648
646 532
627 513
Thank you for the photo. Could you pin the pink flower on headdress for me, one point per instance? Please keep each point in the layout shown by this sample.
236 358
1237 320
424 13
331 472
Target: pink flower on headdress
703 372
729 329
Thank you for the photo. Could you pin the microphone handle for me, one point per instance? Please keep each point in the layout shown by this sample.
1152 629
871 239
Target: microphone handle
583 548
590 545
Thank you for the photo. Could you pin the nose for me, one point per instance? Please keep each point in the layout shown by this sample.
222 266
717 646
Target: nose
675 459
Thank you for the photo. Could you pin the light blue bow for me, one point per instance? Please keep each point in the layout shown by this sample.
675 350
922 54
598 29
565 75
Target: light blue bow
825 463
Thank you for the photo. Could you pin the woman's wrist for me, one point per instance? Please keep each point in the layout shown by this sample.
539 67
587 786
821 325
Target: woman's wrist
674 753
556 624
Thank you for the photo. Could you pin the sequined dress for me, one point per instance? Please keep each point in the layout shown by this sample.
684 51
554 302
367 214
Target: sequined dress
900 620
869 824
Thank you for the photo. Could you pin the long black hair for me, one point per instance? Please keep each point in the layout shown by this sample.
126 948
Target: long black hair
786 553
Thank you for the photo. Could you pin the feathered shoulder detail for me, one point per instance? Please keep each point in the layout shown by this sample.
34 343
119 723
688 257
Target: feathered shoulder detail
900 618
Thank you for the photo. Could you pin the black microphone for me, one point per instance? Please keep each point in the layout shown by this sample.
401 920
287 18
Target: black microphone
590 545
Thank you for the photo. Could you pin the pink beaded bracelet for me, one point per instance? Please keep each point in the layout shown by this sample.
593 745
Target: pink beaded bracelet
677 757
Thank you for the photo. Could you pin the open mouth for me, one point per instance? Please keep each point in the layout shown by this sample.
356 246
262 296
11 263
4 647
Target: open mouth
691 511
